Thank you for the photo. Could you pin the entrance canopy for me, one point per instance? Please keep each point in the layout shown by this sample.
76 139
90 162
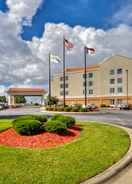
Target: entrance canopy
26 91
12 92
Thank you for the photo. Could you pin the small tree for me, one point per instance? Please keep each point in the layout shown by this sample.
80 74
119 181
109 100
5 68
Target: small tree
52 100
20 99
3 99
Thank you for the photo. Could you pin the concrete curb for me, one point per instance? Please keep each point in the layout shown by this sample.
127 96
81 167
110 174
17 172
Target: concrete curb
76 113
116 168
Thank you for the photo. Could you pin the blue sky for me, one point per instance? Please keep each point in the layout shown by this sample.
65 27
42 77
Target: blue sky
95 13
25 62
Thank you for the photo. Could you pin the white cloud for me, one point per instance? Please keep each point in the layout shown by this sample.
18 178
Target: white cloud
24 63
113 41
23 9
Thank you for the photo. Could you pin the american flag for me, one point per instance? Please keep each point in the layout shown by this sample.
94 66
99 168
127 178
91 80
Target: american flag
68 44
90 50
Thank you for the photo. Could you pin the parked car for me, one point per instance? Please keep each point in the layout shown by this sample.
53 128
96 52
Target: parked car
91 107
3 106
124 106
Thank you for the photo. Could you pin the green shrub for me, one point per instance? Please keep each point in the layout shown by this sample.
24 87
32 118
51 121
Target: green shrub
83 109
28 117
103 105
41 118
57 116
55 126
75 109
60 109
67 109
28 126
67 120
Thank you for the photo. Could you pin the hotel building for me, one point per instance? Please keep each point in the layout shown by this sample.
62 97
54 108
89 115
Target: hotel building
108 82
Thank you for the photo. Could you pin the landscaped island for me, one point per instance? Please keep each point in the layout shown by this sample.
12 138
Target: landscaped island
96 148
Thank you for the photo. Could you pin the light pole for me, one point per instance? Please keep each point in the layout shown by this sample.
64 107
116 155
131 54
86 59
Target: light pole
127 86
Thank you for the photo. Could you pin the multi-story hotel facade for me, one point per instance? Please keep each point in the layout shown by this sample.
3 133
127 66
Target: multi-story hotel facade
108 82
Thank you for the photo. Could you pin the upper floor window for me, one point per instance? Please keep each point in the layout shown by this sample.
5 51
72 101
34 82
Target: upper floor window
112 72
112 90
119 80
119 71
61 78
90 83
62 93
90 75
84 75
66 86
112 81
120 90
91 92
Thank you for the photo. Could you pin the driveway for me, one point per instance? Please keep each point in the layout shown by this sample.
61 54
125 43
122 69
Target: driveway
123 118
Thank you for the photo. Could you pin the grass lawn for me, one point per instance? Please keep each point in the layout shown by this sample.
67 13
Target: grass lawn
5 124
99 147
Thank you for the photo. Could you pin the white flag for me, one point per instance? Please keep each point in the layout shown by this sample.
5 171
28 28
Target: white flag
55 59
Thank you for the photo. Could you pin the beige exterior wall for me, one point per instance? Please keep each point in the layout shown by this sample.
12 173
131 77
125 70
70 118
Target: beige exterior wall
101 82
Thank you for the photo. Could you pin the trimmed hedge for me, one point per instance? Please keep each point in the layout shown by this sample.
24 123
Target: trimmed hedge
55 126
67 120
28 126
41 118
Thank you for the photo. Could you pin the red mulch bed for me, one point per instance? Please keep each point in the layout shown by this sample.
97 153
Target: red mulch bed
45 140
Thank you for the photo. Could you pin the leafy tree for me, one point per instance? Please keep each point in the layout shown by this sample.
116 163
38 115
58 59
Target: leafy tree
52 100
3 99
20 99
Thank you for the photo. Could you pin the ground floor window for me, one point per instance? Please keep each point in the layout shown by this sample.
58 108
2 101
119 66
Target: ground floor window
112 101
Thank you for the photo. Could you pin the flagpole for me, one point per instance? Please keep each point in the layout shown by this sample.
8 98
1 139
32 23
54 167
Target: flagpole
64 89
49 75
85 73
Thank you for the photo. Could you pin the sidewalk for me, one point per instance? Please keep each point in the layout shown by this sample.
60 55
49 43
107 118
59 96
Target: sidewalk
124 177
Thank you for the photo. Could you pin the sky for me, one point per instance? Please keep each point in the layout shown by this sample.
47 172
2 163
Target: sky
29 30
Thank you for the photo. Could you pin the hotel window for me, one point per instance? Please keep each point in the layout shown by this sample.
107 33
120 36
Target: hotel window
112 81
61 86
119 71
119 80
84 84
61 78
112 90
62 93
90 83
112 72
84 76
66 86
120 90
90 75
91 92
84 92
